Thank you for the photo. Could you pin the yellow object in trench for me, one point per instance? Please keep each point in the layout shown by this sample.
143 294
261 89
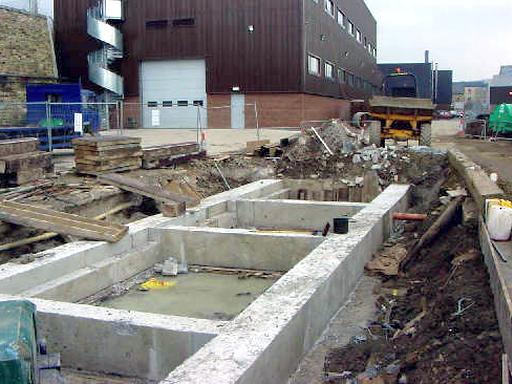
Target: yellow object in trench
153 284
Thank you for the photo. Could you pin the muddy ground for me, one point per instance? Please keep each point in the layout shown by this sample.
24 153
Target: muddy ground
422 331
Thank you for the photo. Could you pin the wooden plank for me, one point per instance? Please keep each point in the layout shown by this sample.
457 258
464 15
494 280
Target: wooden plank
254 145
17 146
106 141
170 161
110 163
140 188
62 223
87 159
166 151
106 149
26 161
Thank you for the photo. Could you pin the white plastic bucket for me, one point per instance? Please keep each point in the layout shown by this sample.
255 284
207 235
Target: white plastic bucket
499 223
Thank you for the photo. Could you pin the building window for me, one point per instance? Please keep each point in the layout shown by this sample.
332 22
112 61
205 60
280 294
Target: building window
370 49
182 103
152 104
351 28
329 7
341 18
313 65
329 71
365 42
343 77
189 22
157 24
350 79
359 36
198 103
374 52
167 103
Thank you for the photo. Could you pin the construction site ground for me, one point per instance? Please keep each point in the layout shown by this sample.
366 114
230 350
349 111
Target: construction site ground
441 346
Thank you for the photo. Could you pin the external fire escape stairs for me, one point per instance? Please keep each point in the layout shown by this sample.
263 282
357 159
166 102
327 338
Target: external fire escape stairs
101 26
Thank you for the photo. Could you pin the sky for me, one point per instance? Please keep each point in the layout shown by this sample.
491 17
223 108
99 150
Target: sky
472 37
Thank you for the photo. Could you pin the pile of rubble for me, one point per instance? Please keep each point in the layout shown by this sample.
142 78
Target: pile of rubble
420 166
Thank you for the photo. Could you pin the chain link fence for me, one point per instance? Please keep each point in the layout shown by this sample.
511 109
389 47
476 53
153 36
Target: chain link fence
56 124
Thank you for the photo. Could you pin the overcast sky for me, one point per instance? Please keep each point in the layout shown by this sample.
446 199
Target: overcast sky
472 37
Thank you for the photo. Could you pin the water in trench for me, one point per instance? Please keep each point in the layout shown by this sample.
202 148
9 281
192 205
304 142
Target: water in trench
197 295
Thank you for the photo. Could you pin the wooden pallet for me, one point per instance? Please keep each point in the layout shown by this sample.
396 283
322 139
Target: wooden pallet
61 223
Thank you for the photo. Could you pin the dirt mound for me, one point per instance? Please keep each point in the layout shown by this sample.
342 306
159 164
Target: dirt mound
436 325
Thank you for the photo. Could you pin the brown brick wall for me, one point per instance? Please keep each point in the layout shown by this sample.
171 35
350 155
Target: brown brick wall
278 110
25 45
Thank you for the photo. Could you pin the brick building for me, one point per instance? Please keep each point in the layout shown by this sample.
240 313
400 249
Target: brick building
296 59
26 53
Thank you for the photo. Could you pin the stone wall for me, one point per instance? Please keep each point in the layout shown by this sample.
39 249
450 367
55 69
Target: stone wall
26 55
26 47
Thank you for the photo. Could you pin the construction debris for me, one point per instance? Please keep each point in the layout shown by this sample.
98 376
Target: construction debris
62 223
21 162
96 155
162 156
173 204
453 213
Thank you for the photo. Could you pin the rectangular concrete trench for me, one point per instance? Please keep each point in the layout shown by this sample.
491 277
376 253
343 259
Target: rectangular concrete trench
247 228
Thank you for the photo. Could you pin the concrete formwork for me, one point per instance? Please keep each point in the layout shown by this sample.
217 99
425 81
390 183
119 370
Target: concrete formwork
261 345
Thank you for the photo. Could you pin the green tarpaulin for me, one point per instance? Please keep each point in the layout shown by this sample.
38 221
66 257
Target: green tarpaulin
18 342
501 119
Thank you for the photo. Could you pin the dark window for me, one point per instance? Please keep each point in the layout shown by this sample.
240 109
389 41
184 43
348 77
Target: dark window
182 103
152 104
198 103
157 23
167 103
190 22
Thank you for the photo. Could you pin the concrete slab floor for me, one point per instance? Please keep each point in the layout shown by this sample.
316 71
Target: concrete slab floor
218 140
347 323
198 295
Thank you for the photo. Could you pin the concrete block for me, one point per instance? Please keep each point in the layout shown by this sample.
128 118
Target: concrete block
291 214
105 340
237 248
476 179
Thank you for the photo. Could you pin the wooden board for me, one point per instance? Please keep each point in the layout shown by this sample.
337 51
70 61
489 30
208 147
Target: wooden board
113 166
105 141
166 151
17 146
254 145
62 223
140 188
25 161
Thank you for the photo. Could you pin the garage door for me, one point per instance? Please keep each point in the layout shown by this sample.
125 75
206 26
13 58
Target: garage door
174 93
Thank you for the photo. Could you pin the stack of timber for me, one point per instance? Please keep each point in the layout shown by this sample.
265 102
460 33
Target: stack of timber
22 162
162 156
96 155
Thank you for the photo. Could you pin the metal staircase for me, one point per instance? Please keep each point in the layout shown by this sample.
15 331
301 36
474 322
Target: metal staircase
98 27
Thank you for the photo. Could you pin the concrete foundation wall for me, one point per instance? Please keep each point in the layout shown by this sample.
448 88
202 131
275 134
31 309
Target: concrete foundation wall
110 341
236 248
265 342
291 214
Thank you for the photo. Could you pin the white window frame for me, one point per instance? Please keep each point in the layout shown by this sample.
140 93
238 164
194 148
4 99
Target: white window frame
341 18
332 70
319 61
330 4
351 28
359 36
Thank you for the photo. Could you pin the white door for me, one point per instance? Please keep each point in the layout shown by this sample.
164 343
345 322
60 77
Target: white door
237 111
174 93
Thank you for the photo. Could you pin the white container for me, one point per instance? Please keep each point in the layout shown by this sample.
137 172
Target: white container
499 223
